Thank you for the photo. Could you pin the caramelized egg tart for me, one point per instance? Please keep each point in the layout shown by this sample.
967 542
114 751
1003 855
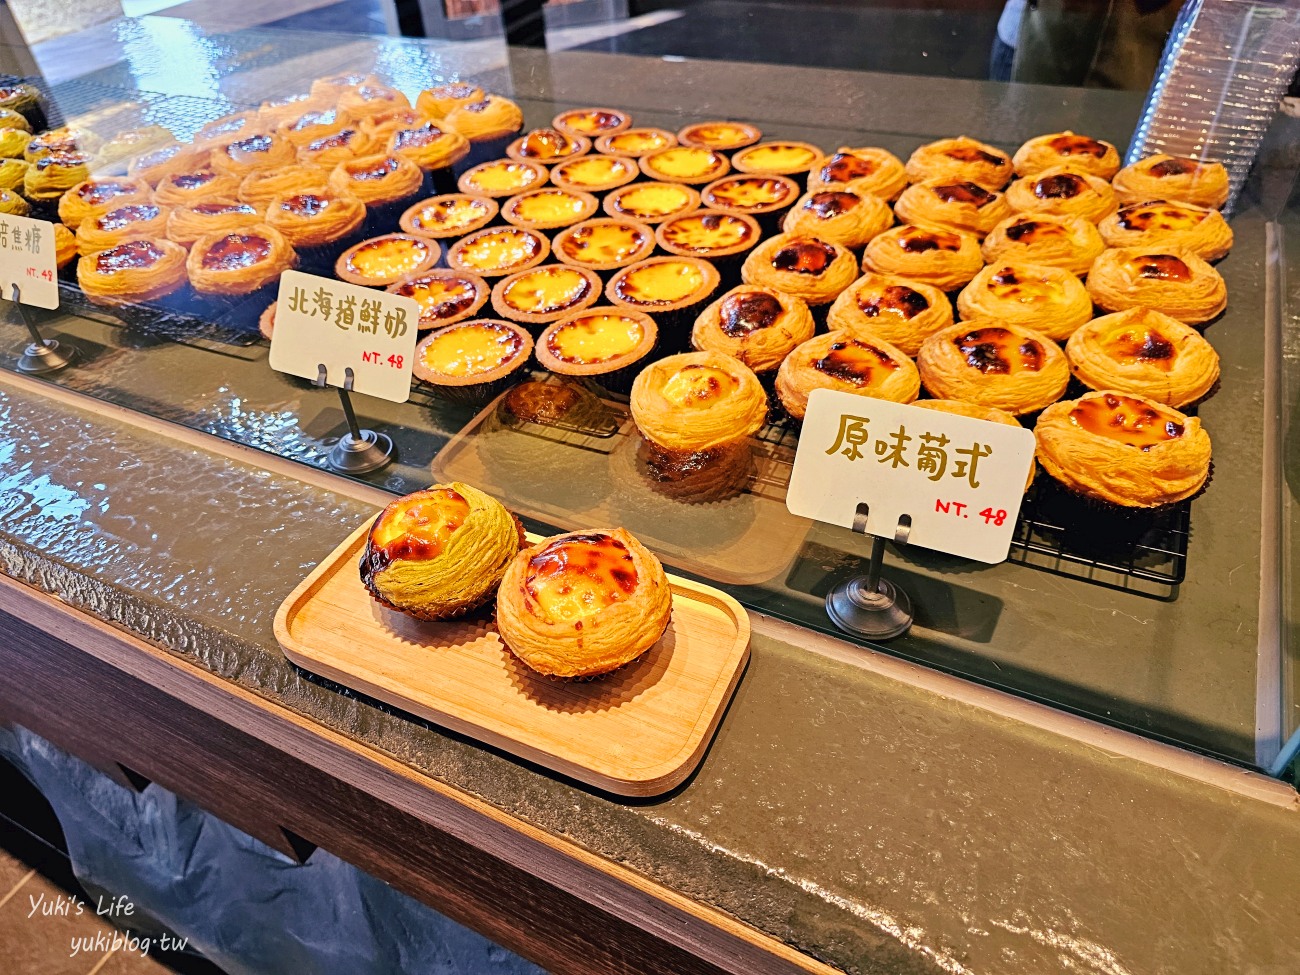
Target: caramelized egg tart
13 174
496 251
130 222
95 197
449 215
1079 152
591 123
11 202
331 88
755 194
952 205
583 604
1123 449
758 326
840 216
719 135
994 363
777 158
708 234
61 140
382 125
544 293
314 125
548 146
182 188
273 111
474 360
316 218
14 142
944 258
807 267
486 122
439 553
132 271
228 128
867 169
1063 191
261 150
114 155
548 208
1043 238
607 345
176 157
1163 177
240 262
445 297
368 99
636 142
261 187
1164 223
503 177
185 225
838 360
1172 280
662 285
348 143
377 181
48 178
436 103
65 242
651 202
961 159
428 146
381 261
896 310
1050 300
684 164
976 412
604 243
595 174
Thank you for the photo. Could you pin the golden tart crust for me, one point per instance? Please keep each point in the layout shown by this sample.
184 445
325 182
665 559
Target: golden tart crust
758 326
61 140
11 202
841 216
491 117
445 297
65 242
1172 280
1165 177
697 401
604 243
662 284
685 164
383 125
114 155
1145 352
952 205
132 271
867 169
782 158
185 225
708 234
14 142
548 208
548 146
752 193
636 142
328 151
1043 238
365 100
720 135
596 341
977 412
228 128
273 111
583 604
651 202
441 552
1047 299
436 103
49 177
1065 191
473 352
838 360
804 266
1166 223
946 259
176 157
239 263
260 150
312 218
503 177
961 158
592 123
332 87
387 259
181 188
544 293
261 187
313 125
1123 449
994 363
377 180
449 215
496 251
95 197
428 146
595 174
130 222
896 310
13 174
1079 152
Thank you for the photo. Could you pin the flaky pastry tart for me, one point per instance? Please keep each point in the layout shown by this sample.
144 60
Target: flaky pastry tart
867 169
759 326
944 258
1165 223
1043 238
804 266
840 216
1047 299
961 158
1063 191
1079 152
132 271
1172 280
837 360
952 205
1164 177
994 363
897 310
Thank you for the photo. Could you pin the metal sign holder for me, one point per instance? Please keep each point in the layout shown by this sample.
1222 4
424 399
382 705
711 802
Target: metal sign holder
42 356
358 451
872 606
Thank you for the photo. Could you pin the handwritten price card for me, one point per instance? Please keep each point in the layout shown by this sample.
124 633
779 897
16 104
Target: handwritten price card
27 260
320 321
960 480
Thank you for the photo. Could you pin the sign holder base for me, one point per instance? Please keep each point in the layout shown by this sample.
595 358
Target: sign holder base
41 356
358 451
870 606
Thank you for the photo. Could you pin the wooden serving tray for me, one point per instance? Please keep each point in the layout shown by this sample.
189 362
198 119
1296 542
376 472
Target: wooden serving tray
639 731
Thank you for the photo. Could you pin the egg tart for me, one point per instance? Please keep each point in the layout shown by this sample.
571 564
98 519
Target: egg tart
114 155
994 363
952 205
961 159
379 180
472 361
381 261
49 177
837 360
1164 223
185 225
595 174
487 120
722 136
331 88
1079 152
366 100
315 218
651 202
840 216
1163 177
24 99
1123 449
158 163
1063 191
132 271
863 170
604 243
181 188
592 123
11 202
944 258
977 412
65 242
435 103
777 158
896 310
285 108
806 267
449 215
548 208
227 129
439 553
661 285
548 146
261 187
606 345
1067 242
1171 280
1145 352
1047 299
258 151
752 193
708 234
684 164
10 119
430 148
544 293
13 143
316 124
330 150
583 604
13 174
239 263
62 140
130 222
758 326
497 251
636 142
95 197
503 177
445 297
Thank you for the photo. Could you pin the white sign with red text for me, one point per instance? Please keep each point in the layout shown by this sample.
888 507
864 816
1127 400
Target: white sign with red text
321 321
27 260
960 480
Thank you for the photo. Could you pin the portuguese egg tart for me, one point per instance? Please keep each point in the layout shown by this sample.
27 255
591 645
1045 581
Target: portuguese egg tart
994 363
1172 280
838 360
1164 223
330 150
758 326
709 234
961 159
49 177
896 310
952 205
132 271
445 297
1079 152
226 129
864 170
1123 449
548 146
976 412
777 158
260 150
273 111
318 123
384 260
332 87
13 174
185 225
684 164
315 217
503 177
1164 177
583 604
604 243
377 180
239 263
261 187
1043 238
719 135
440 553
181 188
473 360
946 259
496 251
592 122
65 242
663 284
548 208
11 202
751 193
807 267
1144 352
607 345
365 100
114 155
1047 299
636 142
840 216
428 146
436 103
1064 191
382 126
544 293
175 157
61 140
450 215
595 173
491 117
651 202
130 222
10 119
14 142
95 197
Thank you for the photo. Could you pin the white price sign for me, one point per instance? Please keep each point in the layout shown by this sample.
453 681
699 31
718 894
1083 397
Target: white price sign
960 480
341 326
27 260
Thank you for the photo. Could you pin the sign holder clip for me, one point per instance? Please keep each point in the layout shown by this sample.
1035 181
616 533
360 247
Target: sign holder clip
42 356
870 605
358 451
